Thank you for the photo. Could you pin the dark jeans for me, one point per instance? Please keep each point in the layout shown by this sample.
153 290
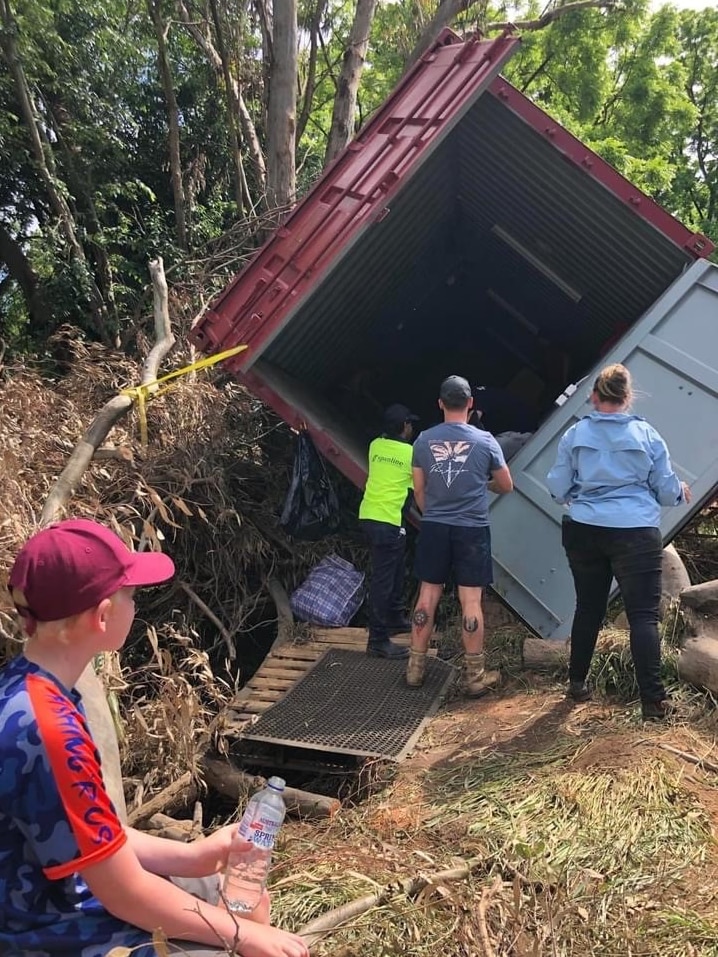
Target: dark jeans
387 544
633 557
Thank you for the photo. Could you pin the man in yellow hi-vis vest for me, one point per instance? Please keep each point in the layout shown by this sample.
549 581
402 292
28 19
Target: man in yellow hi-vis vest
381 515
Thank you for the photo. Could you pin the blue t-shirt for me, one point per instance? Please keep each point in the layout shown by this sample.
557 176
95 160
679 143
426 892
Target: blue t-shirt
457 461
55 819
613 469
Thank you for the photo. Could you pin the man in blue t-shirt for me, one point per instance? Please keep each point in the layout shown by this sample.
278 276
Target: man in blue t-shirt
455 466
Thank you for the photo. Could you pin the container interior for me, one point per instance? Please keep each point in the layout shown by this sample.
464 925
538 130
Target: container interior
498 260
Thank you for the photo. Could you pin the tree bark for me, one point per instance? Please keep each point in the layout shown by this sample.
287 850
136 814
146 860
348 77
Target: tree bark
285 617
281 116
446 13
230 781
161 30
80 185
345 101
179 793
448 10
115 409
231 109
249 131
307 96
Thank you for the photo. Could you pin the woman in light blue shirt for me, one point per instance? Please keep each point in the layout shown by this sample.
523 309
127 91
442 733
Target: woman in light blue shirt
614 473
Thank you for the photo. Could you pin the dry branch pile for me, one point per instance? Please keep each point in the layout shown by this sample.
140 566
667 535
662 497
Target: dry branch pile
207 491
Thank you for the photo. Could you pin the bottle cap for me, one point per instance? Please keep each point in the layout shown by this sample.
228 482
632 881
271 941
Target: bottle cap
277 783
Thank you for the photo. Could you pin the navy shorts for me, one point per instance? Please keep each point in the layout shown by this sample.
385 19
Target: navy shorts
454 552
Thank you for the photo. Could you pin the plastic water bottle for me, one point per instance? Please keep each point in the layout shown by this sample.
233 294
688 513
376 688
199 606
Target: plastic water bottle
246 874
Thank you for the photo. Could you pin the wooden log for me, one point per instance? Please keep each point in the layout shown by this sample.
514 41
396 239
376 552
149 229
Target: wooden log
698 660
285 617
229 780
181 792
541 655
162 825
702 599
674 577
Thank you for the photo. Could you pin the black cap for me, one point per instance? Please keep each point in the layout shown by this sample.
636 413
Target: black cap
455 391
396 416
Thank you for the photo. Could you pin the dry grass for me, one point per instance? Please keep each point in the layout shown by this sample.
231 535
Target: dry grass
208 491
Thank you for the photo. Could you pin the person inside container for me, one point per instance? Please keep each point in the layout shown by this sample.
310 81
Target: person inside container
614 473
73 879
455 465
510 419
381 515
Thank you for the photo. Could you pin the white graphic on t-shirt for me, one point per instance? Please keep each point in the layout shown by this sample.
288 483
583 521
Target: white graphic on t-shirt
450 458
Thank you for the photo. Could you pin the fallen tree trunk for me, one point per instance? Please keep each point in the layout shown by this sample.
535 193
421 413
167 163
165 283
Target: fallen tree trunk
698 660
116 408
538 654
674 580
180 793
229 780
285 617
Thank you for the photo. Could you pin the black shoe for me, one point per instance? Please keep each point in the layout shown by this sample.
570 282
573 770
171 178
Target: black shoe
578 690
386 649
657 710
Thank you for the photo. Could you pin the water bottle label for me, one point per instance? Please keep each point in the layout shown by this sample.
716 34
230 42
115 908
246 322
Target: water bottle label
245 824
263 829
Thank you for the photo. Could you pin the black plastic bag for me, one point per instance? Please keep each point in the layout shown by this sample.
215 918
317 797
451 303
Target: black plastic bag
311 509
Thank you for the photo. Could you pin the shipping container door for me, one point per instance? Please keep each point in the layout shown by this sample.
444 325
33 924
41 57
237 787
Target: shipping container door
672 353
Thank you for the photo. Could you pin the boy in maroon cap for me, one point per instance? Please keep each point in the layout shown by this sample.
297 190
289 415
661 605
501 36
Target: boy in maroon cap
74 882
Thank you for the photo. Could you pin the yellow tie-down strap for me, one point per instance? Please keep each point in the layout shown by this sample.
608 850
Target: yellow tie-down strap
141 393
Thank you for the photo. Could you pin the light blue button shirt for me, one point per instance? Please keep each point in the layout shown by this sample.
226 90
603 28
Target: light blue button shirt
613 469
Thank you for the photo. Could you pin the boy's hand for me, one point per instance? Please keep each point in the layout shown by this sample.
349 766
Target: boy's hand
211 852
259 940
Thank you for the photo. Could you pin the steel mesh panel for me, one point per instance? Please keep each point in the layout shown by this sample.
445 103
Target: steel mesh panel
351 704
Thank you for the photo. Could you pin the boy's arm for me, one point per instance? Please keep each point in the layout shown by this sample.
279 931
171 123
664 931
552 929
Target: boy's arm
145 900
167 858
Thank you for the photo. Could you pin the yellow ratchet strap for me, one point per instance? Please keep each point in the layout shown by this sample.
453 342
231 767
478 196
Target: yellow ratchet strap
141 393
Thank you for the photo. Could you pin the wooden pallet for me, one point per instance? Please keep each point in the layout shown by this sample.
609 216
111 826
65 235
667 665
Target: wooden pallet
282 669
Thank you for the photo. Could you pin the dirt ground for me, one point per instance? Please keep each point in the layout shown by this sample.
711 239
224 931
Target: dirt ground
667 907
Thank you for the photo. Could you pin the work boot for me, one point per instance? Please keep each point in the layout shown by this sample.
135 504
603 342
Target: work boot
416 668
385 648
578 690
658 710
476 680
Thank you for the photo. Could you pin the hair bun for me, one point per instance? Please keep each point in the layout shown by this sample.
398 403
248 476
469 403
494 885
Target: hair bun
613 384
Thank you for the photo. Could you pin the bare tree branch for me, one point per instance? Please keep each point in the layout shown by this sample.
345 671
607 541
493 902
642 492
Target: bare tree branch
249 131
554 14
448 10
116 408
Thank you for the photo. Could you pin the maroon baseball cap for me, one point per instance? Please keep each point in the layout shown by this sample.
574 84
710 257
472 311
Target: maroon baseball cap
74 565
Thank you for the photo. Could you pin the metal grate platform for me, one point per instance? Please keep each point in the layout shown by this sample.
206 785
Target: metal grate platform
351 704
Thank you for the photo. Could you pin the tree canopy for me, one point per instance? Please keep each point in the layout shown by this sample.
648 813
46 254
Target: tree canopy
130 129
